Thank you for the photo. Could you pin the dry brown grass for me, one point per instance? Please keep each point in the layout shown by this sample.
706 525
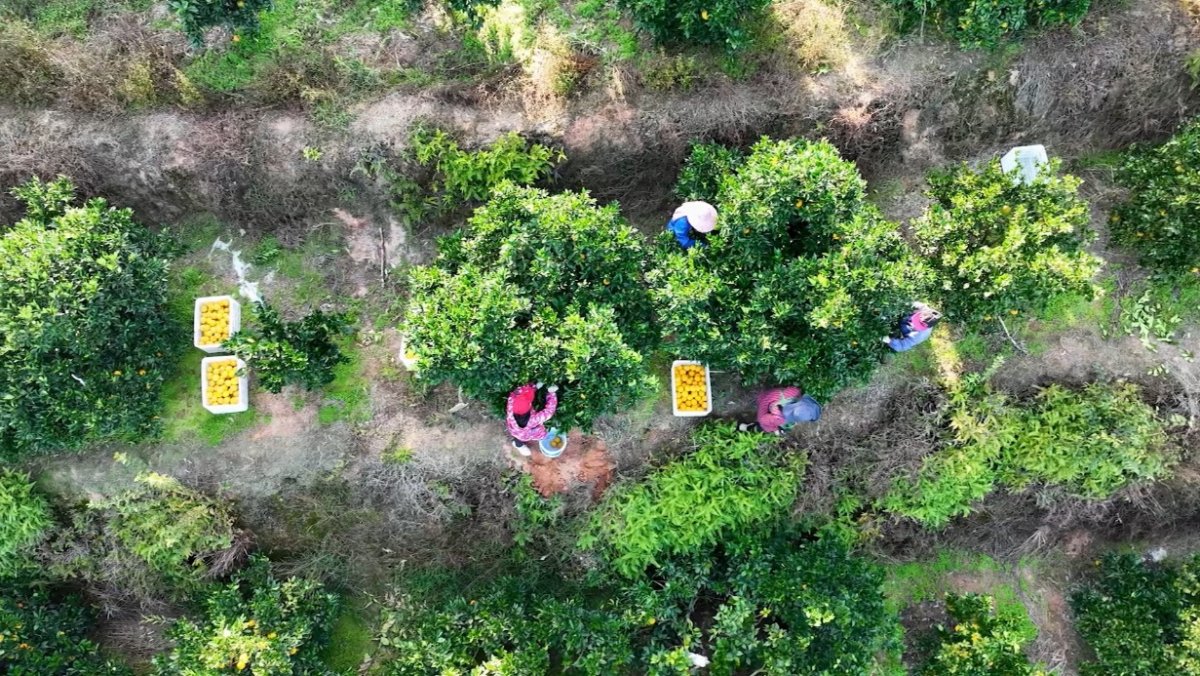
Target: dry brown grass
815 33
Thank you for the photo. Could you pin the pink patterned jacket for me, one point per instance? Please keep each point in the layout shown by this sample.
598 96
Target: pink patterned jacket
769 420
534 429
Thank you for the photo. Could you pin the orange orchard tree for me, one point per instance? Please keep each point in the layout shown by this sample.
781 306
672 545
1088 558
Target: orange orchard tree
802 276
538 287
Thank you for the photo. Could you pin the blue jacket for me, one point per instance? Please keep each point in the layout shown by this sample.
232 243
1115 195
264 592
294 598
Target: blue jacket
684 234
804 409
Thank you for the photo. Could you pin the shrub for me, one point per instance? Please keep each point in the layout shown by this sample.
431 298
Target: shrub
1159 219
726 484
538 287
43 636
799 281
1003 246
986 23
257 625
159 540
24 517
196 16
705 169
963 469
1130 613
722 23
87 340
454 177
510 624
979 640
281 353
1091 442
779 603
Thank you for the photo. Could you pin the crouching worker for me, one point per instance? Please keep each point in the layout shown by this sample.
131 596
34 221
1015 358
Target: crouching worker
692 222
782 407
914 329
525 424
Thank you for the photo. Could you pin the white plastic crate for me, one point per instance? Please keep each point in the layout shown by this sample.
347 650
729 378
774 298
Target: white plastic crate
707 391
235 321
1025 161
243 403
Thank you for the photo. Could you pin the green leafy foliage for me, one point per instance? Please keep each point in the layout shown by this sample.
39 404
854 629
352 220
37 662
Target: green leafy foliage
705 169
728 482
24 517
1139 617
303 352
722 23
158 540
256 624
84 326
979 640
987 23
42 636
1159 219
535 515
1002 246
543 288
1092 442
437 176
799 281
779 602
196 16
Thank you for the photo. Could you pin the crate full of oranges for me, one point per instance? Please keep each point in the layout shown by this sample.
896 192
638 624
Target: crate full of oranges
215 319
222 389
691 389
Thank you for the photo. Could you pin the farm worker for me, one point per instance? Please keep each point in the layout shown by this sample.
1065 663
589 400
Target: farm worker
782 407
692 222
525 424
915 328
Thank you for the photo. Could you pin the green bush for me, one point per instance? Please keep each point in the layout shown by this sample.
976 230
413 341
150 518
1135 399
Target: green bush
726 484
1159 219
472 176
722 23
800 279
40 636
979 640
158 540
303 352
779 603
1091 442
706 167
1138 617
255 625
196 16
85 334
448 177
24 517
987 23
1003 247
538 287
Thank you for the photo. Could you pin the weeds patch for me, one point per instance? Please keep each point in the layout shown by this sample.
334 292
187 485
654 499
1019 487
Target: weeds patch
910 583
348 397
351 638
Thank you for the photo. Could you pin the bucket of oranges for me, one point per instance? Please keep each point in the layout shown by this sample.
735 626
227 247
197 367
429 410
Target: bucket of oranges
215 319
222 390
691 389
